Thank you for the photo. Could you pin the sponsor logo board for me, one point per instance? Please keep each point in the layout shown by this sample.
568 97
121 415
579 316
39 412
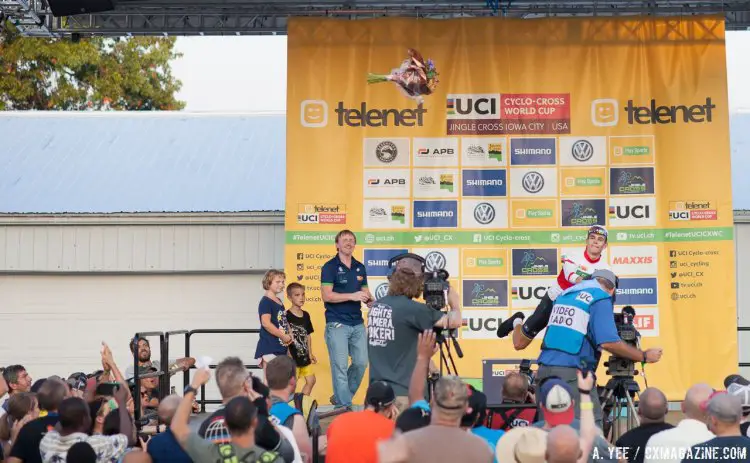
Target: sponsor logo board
583 181
646 320
605 112
532 151
484 182
633 260
367 116
497 114
323 214
435 183
483 152
386 183
385 214
527 293
631 180
485 262
435 152
533 213
637 291
484 213
632 212
533 182
435 214
378 286
534 262
376 260
693 210
314 113
632 150
583 151
484 293
583 212
386 152
440 259
482 324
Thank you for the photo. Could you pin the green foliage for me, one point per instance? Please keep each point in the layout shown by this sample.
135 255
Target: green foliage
95 73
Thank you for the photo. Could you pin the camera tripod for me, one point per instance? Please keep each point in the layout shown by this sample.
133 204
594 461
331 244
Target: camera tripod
619 398
447 364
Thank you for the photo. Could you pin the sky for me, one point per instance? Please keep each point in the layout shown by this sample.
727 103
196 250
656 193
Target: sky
242 74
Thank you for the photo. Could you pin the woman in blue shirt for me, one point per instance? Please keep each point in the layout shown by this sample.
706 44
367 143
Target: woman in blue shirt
274 329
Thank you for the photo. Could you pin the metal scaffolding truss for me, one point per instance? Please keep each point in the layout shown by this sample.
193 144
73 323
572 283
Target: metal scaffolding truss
252 17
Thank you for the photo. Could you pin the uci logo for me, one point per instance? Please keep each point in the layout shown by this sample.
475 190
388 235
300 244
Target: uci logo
584 297
531 292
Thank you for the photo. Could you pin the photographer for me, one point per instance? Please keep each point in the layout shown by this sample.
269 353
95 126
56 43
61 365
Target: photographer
576 267
395 322
581 323
515 391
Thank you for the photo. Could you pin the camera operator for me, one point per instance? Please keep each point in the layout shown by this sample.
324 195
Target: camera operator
515 391
581 324
576 267
395 322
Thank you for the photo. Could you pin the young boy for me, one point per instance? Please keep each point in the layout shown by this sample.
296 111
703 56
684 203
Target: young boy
301 347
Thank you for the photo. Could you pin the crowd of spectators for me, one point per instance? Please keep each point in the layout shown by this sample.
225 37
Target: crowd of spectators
89 418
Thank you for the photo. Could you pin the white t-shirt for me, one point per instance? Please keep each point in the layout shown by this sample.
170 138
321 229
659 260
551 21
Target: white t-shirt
574 265
289 435
54 447
665 446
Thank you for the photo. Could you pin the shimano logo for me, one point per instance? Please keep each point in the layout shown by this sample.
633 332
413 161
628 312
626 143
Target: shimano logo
485 182
434 214
530 151
377 262
634 291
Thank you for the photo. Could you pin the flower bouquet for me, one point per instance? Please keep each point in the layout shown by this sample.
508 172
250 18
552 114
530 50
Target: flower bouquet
415 78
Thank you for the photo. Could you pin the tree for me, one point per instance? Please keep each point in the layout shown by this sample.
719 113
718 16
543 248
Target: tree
94 73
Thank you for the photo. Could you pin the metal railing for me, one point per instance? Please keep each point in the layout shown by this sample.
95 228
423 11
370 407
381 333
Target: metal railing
739 329
136 374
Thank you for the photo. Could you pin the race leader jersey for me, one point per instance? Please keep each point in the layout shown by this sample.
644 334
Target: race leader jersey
575 264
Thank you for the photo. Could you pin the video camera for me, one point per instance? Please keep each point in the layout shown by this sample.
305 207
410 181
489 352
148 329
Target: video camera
618 366
435 280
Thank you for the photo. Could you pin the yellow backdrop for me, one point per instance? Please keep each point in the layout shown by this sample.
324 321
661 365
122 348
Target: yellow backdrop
534 130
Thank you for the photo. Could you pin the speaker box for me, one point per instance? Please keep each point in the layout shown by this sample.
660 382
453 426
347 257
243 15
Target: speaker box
75 7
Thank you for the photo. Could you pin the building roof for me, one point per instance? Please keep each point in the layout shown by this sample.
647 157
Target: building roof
109 162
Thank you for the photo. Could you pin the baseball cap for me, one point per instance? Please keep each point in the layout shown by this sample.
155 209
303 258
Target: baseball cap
523 444
557 402
413 418
743 392
704 404
598 230
142 370
380 395
605 274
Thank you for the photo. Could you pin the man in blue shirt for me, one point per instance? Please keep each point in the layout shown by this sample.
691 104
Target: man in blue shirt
582 324
163 447
343 283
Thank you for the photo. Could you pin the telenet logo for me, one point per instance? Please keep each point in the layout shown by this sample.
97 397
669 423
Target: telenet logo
605 112
314 113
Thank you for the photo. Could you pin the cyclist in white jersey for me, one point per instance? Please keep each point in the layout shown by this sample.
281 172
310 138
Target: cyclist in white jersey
576 267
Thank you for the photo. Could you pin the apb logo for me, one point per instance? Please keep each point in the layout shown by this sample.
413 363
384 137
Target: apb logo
583 212
632 212
534 262
631 180
484 213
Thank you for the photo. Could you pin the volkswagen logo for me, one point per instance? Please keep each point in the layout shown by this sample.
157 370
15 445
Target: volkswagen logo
386 151
434 261
582 150
484 213
381 291
533 182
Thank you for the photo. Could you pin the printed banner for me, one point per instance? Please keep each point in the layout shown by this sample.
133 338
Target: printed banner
489 146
